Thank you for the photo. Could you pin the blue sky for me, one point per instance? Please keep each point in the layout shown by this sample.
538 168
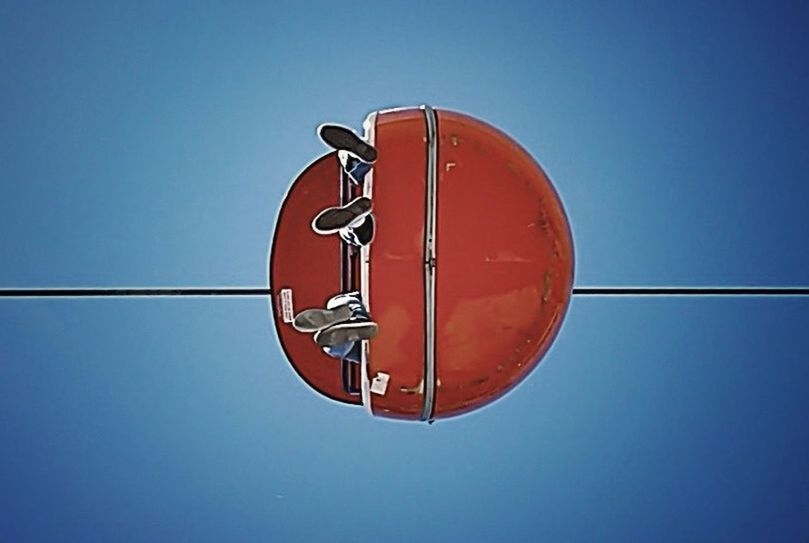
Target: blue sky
150 145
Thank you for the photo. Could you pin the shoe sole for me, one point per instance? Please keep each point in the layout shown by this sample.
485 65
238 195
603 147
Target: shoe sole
344 139
333 219
313 320
346 332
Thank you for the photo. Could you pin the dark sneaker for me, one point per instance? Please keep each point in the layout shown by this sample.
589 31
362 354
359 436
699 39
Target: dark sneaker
312 320
344 139
333 219
346 332
360 235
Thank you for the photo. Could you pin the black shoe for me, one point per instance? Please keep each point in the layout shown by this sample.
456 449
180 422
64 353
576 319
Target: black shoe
344 139
345 332
333 219
312 320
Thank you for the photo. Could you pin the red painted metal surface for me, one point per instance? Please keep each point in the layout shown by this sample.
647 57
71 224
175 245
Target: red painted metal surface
309 265
504 270
396 271
505 264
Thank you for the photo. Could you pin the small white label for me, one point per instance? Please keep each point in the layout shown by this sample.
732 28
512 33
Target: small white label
380 384
287 313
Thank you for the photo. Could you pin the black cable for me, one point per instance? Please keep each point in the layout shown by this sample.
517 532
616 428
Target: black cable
691 291
264 291
117 292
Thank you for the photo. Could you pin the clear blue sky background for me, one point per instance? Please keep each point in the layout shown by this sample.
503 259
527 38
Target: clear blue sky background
146 144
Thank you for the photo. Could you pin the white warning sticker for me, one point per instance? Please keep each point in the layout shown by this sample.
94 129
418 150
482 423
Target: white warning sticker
379 385
287 312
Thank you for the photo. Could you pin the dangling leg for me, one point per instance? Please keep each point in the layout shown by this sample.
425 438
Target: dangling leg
354 153
360 232
355 354
358 327
340 328
339 309
354 167
344 139
351 351
345 351
346 332
333 219
313 320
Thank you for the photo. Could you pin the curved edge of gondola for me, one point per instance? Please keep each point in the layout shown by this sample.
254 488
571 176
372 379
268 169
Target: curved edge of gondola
554 333
272 298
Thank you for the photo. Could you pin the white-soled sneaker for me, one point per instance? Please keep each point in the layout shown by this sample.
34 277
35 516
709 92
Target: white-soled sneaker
312 320
345 298
334 219
344 139
345 332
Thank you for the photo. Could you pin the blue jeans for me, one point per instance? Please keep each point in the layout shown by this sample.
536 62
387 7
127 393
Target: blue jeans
351 351
357 169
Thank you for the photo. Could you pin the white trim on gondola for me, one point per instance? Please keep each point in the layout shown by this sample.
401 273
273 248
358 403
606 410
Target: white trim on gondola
365 257
429 263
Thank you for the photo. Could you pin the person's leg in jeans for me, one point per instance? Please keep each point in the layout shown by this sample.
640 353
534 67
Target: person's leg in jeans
342 340
355 154
351 351
340 327
353 222
354 167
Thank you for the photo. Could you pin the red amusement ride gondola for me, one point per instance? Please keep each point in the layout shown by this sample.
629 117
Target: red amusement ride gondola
468 277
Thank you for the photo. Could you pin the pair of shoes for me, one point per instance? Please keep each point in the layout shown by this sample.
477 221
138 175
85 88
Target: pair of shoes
346 332
344 320
334 326
344 139
339 308
334 219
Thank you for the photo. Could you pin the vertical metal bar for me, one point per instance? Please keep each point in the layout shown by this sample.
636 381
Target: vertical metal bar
346 282
429 263
365 269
